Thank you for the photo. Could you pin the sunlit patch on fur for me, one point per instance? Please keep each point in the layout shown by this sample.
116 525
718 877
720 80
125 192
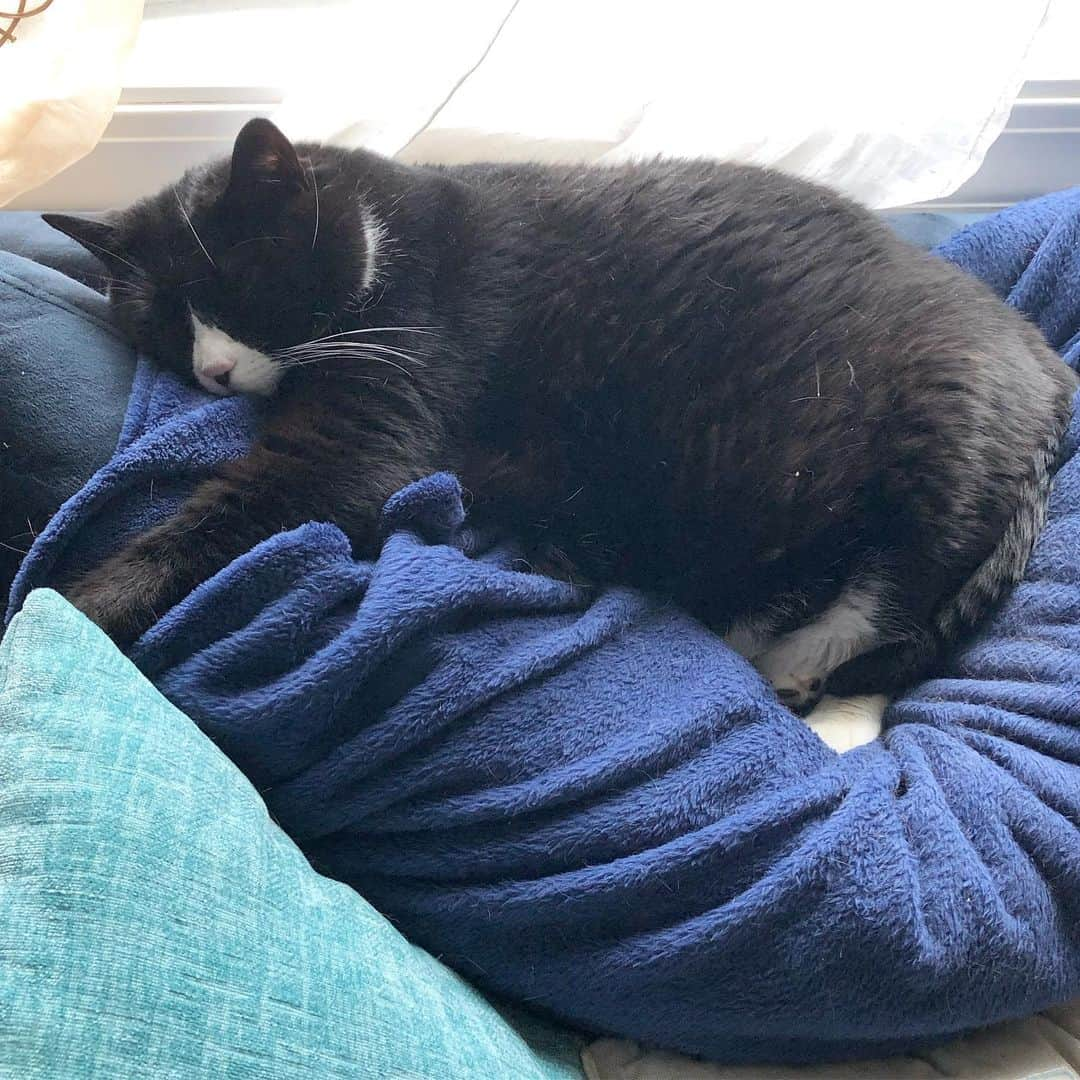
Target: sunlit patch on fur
374 234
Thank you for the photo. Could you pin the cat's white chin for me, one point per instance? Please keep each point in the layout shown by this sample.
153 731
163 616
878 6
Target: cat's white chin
256 383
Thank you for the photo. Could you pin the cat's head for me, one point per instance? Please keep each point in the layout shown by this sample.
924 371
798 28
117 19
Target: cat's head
242 259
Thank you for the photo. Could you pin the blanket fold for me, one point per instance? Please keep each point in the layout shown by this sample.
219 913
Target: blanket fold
589 804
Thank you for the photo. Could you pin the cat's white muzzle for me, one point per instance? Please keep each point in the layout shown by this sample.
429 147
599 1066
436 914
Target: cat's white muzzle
223 365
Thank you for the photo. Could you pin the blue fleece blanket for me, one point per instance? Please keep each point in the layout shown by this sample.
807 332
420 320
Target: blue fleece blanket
590 804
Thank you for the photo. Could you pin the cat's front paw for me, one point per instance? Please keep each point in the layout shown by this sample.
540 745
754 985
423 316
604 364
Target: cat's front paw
798 694
798 682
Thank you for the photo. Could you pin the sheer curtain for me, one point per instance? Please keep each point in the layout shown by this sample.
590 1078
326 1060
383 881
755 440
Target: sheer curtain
890 102
60 79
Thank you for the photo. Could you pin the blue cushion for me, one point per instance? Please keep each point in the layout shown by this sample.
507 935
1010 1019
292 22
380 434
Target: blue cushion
24 233
154 922
65 375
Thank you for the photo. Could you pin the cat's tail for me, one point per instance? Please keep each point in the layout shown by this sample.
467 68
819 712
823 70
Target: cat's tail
896 666
1004 567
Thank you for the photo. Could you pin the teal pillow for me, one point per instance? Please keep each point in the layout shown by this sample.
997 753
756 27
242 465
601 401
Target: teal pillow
155 923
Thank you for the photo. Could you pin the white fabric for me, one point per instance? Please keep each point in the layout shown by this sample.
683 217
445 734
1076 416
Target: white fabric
59 83
892 103
1045 1047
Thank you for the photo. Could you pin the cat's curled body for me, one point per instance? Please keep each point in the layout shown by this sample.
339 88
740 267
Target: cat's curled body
713 381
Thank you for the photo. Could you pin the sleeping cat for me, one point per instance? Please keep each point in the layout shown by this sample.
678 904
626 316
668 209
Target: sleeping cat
728 386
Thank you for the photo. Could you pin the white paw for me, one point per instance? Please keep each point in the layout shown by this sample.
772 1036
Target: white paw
800 662
844 723
795 678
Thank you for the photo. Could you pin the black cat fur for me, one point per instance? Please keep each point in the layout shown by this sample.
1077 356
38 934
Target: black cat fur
731 387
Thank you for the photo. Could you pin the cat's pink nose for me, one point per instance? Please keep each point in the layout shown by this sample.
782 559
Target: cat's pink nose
213 367
214 373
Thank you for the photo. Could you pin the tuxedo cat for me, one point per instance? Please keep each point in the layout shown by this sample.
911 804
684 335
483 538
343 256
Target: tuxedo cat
730 387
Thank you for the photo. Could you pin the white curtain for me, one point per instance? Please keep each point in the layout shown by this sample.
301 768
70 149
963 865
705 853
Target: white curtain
891 102
60 76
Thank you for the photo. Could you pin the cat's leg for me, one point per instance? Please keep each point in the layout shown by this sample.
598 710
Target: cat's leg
252 499
128 592
751 635
856 622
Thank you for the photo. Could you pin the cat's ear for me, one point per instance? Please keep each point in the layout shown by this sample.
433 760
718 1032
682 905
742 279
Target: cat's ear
264 161
98 237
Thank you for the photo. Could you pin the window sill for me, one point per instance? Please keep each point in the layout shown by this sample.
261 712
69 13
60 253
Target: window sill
159 131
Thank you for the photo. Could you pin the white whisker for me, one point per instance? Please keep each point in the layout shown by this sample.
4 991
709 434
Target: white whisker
304 362
198 239
345 348
315 188
119 258
429 330
255 240
111 282
408 357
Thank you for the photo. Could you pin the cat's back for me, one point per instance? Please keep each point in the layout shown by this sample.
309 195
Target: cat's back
725 321
714 258
674 206
741 274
